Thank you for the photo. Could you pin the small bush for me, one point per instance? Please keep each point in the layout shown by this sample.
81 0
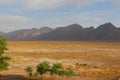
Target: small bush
36 74
43 68
29 70
53 70
56 68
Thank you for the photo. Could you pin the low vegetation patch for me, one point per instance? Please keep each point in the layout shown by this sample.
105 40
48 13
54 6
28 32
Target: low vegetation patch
53 70
3 59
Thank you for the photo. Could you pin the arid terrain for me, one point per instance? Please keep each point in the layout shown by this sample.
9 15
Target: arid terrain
92 60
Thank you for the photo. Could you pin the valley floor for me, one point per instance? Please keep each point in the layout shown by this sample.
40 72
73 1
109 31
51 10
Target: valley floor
101 59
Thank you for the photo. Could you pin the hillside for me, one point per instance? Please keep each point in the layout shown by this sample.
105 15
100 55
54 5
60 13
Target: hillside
73 32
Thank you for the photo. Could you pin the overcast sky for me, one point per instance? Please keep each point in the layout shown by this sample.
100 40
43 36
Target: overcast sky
18 14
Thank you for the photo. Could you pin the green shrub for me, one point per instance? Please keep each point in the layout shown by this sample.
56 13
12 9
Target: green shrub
69 72
3 59
53 70
43 68
36 74
29 70
56 68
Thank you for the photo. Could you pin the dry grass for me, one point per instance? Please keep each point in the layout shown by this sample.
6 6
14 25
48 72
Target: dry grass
102 58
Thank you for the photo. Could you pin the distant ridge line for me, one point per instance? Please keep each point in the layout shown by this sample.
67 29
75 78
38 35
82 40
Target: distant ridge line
73 32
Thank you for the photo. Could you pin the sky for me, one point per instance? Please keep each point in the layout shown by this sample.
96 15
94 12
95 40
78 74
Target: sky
26 14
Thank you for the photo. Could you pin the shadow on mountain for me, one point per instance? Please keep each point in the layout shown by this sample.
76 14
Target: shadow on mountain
74 32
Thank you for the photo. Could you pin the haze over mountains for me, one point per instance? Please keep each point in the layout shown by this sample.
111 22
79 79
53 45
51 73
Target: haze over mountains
74 32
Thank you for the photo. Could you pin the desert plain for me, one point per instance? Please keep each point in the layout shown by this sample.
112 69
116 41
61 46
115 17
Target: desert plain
92 60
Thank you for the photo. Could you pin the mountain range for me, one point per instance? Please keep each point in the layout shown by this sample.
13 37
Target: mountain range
73 32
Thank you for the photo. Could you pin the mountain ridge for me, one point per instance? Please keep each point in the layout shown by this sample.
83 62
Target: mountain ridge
73 32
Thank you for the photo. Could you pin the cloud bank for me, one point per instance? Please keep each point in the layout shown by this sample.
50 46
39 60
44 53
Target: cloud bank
37 13
45 4
13 18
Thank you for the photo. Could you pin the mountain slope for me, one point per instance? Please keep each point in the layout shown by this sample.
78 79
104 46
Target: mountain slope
26 34
71 32
106 31
74 32
1 33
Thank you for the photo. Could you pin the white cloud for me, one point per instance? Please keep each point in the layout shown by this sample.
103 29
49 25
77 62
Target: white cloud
21 6
2 2
89 18
117 2
49 4
10 28
7 28
13 18
117 23
89 15
13 22
45 4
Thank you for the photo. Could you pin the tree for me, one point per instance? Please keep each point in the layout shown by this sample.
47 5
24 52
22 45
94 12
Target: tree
3 59
3 45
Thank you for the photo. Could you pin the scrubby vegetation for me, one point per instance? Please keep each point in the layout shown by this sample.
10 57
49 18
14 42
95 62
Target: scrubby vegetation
54 70
29 70
3 59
